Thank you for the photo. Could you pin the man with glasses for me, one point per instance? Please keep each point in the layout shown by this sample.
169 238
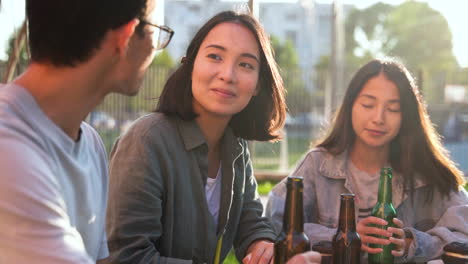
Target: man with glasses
53 166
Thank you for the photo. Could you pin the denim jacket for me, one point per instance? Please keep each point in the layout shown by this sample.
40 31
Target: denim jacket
432 225
157 210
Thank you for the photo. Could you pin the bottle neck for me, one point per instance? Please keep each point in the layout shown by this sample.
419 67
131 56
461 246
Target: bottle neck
385 188
293 220
347 221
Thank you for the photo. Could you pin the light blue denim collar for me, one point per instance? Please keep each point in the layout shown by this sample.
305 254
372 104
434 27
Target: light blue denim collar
336 167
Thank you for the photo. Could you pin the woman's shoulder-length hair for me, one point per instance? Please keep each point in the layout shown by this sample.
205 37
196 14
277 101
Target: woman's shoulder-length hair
264 115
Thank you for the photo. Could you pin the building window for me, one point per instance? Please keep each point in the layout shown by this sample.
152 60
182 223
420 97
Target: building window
291 17
292 36
193 30
194 8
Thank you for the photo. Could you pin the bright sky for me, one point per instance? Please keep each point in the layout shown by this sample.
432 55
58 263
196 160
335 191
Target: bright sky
455 11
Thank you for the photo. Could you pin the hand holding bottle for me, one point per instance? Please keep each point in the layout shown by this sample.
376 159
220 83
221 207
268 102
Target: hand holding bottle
260 251
367 230
398 238
256 255
396 235
310 257
384 212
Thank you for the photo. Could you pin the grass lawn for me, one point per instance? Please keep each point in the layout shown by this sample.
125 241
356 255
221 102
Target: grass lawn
108 137
265 155
264 187
231 258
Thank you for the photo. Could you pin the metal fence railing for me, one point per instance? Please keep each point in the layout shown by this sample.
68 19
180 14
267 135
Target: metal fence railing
305 122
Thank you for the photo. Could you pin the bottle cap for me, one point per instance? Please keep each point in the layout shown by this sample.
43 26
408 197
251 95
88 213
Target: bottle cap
456 252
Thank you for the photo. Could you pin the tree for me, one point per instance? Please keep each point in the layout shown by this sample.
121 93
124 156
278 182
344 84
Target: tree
23 56
298 98
421 36
366 33
459 76
285 54
163 59
153 84
413 32
422 39
16 51
145 101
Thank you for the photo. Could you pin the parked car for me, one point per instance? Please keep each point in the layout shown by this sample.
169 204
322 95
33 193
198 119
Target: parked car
308 120
102 120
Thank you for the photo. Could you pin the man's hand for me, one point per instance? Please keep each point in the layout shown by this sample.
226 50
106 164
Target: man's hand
260 251
309 257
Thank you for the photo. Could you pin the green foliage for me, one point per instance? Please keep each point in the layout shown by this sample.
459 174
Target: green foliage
264 187
144 101
285 54
413 32
323 63
298 98
421 36
108 137
23 55
164 60
366 34
267 154
231 258
425 52
459 76
401 31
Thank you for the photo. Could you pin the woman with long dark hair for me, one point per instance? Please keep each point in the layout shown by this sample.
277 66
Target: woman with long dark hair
383 122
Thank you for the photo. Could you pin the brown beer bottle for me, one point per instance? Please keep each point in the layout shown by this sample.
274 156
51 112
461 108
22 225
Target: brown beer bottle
292 240
346 242
324 247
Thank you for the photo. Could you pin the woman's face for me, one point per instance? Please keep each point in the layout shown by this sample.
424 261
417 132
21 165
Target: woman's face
376 114
226 71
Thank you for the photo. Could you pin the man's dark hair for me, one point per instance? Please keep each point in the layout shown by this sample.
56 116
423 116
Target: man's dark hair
68 32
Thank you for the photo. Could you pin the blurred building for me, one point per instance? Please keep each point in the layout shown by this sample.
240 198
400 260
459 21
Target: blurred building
456 94
307 24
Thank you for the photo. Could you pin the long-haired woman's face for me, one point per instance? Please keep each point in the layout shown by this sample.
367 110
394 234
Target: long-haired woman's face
226 71
376 114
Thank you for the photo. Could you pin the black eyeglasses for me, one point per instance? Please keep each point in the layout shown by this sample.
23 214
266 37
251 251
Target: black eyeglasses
161 38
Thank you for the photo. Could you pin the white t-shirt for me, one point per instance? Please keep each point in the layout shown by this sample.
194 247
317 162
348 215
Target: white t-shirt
53 190
213 195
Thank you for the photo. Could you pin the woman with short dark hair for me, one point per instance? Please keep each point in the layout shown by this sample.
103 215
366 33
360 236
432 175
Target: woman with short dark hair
182 183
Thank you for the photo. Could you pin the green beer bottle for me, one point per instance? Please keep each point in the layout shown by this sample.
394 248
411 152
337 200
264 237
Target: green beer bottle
292 240
384 209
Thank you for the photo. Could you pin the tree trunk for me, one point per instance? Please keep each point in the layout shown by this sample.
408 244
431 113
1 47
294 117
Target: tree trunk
14 56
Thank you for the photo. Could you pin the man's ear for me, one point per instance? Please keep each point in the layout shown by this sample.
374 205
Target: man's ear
123 35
